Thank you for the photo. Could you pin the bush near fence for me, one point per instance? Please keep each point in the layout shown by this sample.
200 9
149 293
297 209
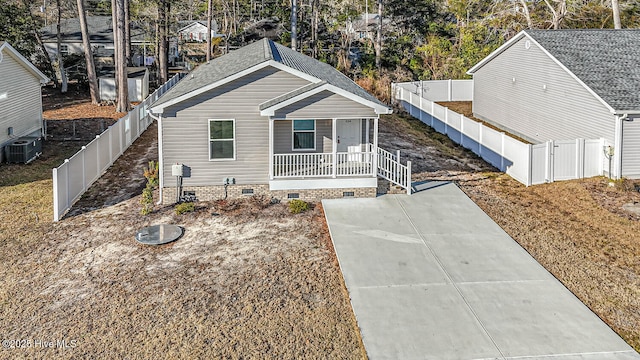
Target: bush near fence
79 172
529 164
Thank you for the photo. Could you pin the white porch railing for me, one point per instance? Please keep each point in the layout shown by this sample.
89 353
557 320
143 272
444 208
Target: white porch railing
390 168
323 165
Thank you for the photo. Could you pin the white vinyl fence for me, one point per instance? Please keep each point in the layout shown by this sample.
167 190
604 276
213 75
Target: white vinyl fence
76 174
527 163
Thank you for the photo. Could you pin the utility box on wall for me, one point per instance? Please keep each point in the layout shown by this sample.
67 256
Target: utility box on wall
177 170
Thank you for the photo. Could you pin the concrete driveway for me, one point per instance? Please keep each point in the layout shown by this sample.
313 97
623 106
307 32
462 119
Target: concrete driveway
431 276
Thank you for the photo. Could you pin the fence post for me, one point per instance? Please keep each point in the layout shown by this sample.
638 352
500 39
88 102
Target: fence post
398 155
550 174
408 177
66 181
502 152
84 175
56 199
450 94
421 106
580 157
461 130
530 166
480 127
433 111
446 121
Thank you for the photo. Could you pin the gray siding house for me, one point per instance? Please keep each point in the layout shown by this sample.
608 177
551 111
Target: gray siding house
268 120
20 97
566 84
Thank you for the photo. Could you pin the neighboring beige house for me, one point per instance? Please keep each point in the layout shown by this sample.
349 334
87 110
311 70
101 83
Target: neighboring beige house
20 99
565 84
265 119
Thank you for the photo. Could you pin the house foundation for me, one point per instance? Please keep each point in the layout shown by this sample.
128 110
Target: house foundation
217 192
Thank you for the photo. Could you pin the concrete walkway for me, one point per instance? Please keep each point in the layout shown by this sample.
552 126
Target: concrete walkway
431 276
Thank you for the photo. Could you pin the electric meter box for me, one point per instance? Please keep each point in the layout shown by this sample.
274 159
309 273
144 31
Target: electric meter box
177 170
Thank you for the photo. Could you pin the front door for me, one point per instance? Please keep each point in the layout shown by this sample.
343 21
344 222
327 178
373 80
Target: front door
349 134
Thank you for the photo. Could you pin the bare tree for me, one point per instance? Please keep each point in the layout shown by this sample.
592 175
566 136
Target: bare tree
527 15
559 11
209 18
127 34
122 103
294 25
615 6
163 48
88 54
378 44
63 74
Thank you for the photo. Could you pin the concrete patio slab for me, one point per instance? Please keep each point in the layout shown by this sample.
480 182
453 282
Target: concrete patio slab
431 276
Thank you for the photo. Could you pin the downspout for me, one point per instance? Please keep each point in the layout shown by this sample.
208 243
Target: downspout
160 162
617 146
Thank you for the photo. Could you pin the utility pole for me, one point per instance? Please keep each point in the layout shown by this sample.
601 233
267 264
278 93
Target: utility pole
294 20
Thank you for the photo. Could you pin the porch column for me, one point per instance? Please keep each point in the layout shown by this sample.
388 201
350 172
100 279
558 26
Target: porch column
334 150
271 149
368 138
375 147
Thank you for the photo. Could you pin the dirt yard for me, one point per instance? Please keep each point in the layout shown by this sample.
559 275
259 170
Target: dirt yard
250 280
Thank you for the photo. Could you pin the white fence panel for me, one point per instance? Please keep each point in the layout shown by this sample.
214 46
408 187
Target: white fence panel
492 147
75 175
91 166
565 154
593 156
104 156
516 157
76 183
539 163
471 134
529 164
462 90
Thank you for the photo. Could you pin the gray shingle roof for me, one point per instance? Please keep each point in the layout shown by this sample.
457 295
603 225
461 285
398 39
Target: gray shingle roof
257 53
100 30
607 61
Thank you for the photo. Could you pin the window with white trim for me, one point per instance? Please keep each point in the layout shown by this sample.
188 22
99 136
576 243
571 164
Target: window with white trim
222 139
304 134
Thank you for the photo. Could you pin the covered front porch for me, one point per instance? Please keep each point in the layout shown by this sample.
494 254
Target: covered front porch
332 152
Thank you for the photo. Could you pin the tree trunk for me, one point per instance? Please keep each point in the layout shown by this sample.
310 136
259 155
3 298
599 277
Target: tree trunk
314 29
615 6
122 104
527 15
378 46
209 18
127 34
294 30
88 54
63 74
163 51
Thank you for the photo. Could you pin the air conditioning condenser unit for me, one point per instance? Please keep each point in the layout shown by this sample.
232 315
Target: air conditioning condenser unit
23 150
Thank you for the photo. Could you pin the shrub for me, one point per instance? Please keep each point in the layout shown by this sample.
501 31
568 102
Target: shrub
147 200
297 206
185 207
151 173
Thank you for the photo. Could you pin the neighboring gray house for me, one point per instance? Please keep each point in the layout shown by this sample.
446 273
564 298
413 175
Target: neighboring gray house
269 120
566 84
20 97
100 37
